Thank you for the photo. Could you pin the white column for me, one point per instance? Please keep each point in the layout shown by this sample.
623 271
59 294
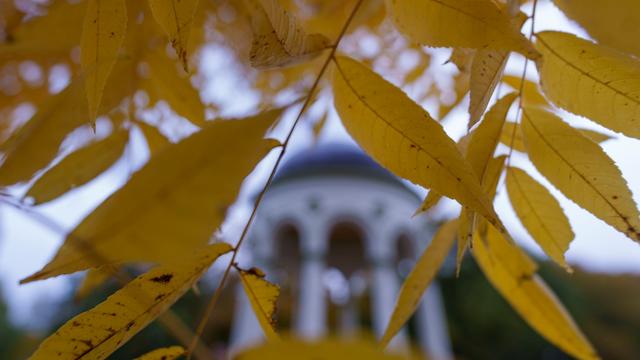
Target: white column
433 331
384 283
311 319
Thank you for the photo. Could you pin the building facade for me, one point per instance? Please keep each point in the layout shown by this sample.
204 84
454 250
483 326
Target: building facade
336 231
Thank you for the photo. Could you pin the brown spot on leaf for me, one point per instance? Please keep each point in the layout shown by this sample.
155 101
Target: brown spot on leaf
163 279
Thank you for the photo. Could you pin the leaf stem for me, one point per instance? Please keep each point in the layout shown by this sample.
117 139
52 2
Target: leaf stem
285 145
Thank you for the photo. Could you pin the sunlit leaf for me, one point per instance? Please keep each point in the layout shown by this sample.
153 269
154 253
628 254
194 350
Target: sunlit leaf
327 349
477 24
591 80
167 353
33 146
173 204
540 213
176 17
278 39
165 83
96 333
103 32
611 24
518 141
263 296
512 273
402 136
580 169
79 167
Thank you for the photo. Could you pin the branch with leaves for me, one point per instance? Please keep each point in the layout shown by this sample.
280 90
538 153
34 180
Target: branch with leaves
134 68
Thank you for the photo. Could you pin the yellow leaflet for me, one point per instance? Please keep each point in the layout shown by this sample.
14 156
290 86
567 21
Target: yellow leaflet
96 333
263 296
530 92
479 152
485 138
591 80
105 25
175 17
327 349
468 221
155 139
79 167
429 202
540 213
613 26
168 353
512 273
433 197
403 137
93 279
319 125
173 204
486 70
580 169
165 83
518 141
278 38
419 279
478 24
47 37
34 145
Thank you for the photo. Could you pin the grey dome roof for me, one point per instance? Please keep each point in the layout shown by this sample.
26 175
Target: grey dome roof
341 160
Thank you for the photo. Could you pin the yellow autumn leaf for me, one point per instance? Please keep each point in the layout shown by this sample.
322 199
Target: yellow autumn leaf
486 70
167 353
326 349
403 137
278 39
479 152
429 202
34 145
479 24
103 33
93 279
580 169
96 333
420 278
79 167
540 213
468 221
175 18
263 296
513 274
173 204
53 35
165 83
518 141
590 80
155 139
531 95
486 137
611 24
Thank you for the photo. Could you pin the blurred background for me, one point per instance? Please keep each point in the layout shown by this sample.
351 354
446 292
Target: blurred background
602 294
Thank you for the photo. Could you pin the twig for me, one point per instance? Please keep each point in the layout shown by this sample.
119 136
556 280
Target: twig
285 144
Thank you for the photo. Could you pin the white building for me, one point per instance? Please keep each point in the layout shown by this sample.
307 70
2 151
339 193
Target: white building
336 232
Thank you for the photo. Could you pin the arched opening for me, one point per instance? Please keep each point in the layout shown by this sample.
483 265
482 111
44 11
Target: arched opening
346 280
287 270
